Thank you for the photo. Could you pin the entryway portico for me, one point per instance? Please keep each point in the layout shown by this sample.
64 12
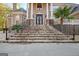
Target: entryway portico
39 13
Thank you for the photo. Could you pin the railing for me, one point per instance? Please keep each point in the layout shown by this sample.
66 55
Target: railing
66 21
67 29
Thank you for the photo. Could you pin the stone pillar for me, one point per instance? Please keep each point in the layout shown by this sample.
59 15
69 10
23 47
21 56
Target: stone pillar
47 11
47 14
27 9
28 20
31 10
50 19
51 11
31 15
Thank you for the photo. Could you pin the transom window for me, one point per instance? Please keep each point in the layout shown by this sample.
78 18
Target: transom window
39 5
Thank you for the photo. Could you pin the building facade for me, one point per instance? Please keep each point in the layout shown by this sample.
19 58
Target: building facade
36 14
17 16
39 13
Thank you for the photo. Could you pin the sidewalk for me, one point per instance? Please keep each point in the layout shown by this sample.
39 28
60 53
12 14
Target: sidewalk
40 49
2 36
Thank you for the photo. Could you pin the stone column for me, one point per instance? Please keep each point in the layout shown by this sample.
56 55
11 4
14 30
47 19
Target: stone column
28 19
51 11
31 10
31 15
27 9
51 14
47 14
47 11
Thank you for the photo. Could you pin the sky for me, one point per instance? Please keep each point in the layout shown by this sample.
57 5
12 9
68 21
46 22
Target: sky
23 5
39 1
20 5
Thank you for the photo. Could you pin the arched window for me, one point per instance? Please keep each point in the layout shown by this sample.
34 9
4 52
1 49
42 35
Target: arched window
39 5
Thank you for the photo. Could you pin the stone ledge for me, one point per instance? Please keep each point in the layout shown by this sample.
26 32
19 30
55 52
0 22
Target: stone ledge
63 41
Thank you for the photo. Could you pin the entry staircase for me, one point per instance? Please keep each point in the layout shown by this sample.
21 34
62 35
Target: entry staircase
39 33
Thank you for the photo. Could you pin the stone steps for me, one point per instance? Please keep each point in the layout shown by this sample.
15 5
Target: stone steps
40 37
39 41
44 33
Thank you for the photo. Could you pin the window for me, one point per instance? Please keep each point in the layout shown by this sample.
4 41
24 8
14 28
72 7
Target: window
39 5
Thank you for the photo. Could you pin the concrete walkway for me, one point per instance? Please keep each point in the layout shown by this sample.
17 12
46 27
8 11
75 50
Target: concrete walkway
40 49
2 36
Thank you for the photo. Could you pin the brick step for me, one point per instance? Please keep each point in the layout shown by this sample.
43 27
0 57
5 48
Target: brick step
37 41
38 34
35 34
40 37
40 31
